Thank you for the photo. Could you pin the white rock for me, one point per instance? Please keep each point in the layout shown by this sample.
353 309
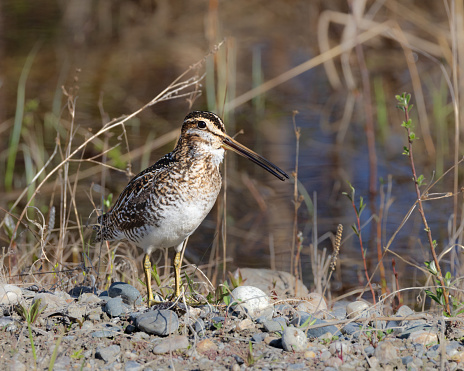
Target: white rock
250 299
9 294
357 309
294 340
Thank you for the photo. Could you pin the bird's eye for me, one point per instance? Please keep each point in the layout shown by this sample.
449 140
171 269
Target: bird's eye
201 124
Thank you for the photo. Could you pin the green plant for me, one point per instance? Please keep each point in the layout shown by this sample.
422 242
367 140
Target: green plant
357 230
439 295
77 354
30 315
55 353
309 322
251 360
442 294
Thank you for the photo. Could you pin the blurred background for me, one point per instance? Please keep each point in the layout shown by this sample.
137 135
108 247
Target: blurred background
331 68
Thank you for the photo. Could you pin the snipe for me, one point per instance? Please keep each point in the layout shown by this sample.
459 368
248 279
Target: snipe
165 203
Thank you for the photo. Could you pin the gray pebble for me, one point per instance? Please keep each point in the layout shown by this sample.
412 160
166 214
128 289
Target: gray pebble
107 353
369 350
319 331
296 366
199 327
171 343
258 337
129 294
301 318
351 329
274 326
261 319
132 366
109 330
453 348
5 321
407 360
339 313
158 322
116 307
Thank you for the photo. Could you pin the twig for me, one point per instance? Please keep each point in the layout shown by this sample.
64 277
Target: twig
404 105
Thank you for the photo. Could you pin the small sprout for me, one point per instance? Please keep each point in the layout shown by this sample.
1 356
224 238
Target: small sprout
107 201
420 180
77 354
430 265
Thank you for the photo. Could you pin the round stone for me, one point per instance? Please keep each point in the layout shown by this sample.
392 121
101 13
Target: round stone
9 294
357 309
129 294
250 299
107 353
171 343
158 322
294 340
116 307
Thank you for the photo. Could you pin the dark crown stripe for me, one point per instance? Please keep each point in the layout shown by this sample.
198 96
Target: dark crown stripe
212 117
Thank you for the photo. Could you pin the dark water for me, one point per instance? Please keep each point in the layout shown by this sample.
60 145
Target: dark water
127 52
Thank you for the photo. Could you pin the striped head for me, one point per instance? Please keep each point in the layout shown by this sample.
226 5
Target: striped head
206 130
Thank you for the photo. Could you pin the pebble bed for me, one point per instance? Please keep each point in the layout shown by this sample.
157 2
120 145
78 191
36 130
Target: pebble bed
114 330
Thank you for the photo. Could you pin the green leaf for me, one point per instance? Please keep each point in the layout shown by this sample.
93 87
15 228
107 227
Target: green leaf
420 180
431 267
432 296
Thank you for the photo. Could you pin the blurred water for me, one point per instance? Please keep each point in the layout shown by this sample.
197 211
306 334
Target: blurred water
130 51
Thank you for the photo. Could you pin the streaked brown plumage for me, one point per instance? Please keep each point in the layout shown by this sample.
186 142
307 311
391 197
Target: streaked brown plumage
165 203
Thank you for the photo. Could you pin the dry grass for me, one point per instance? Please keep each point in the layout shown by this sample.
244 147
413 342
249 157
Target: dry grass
414 48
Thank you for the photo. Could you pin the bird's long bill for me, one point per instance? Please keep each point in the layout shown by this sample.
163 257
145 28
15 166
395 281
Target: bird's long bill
235 146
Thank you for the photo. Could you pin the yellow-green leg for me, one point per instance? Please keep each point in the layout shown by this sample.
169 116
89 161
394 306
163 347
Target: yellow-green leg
147 269
177 265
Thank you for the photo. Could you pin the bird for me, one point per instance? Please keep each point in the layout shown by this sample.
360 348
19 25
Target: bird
165 203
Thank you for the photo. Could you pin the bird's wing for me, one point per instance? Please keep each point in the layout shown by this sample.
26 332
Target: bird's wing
128 210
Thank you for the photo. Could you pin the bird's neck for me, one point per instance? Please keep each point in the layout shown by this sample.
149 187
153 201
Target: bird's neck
200 152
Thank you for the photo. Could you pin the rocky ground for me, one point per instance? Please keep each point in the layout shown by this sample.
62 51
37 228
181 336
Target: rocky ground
84 329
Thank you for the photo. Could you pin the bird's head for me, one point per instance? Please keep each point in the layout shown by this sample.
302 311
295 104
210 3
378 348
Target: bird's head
207 130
